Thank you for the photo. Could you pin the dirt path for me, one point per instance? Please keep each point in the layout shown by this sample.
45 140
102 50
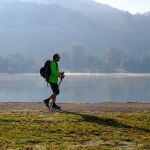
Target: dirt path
99 107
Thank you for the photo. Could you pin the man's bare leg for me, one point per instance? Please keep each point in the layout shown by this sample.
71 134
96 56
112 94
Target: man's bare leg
53 104
53 98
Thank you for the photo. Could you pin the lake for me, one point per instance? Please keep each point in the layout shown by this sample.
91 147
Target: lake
77 88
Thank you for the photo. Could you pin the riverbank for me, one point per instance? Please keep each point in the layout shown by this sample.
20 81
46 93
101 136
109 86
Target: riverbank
83 107
102 126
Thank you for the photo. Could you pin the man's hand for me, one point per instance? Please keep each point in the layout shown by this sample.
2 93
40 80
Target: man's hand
61 75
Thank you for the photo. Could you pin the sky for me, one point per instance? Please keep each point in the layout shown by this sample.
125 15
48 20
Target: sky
133 6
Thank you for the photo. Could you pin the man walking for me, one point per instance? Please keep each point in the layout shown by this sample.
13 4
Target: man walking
53 81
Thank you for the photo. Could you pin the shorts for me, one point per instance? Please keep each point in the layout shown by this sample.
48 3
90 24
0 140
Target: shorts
55 88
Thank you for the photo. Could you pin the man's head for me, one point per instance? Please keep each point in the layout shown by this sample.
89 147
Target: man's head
56 57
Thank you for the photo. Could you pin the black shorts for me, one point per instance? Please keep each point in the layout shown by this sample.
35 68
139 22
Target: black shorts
55 88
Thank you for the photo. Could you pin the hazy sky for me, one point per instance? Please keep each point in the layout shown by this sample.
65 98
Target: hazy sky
132 6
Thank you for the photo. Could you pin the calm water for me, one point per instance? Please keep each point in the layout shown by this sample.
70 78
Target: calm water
78 88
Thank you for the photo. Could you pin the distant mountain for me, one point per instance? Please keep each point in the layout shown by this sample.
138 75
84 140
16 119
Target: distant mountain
35 29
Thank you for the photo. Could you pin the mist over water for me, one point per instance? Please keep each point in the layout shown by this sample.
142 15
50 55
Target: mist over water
77 88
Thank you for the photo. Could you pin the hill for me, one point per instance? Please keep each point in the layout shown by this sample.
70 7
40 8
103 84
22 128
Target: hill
37 29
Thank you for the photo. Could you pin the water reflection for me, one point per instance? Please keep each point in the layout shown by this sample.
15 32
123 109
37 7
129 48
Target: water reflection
77 88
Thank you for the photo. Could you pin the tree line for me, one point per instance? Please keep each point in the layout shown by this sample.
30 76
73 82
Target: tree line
17 63
79 59
113 60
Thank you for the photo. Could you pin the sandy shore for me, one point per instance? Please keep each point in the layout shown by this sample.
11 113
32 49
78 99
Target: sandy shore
98 107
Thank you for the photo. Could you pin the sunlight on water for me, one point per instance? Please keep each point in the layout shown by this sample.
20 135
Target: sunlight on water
106 74
75 74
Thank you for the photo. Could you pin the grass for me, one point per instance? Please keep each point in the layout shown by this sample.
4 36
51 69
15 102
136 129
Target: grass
32 130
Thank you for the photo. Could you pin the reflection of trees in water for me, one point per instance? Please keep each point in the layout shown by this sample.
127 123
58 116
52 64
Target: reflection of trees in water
106 88
127 88
17 82
76 88
21 87
80 88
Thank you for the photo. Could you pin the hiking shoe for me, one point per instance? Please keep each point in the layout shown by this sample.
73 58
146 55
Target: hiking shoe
54 106
46 102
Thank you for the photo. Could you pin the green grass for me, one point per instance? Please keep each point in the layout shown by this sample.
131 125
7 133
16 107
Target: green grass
43 131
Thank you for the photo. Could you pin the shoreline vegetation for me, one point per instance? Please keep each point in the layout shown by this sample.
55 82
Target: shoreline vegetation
110 60
99 126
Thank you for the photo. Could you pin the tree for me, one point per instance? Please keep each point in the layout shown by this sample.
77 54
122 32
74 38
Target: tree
112 58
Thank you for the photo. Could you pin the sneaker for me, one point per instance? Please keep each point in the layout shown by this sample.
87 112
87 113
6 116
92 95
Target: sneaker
54 106
46 102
